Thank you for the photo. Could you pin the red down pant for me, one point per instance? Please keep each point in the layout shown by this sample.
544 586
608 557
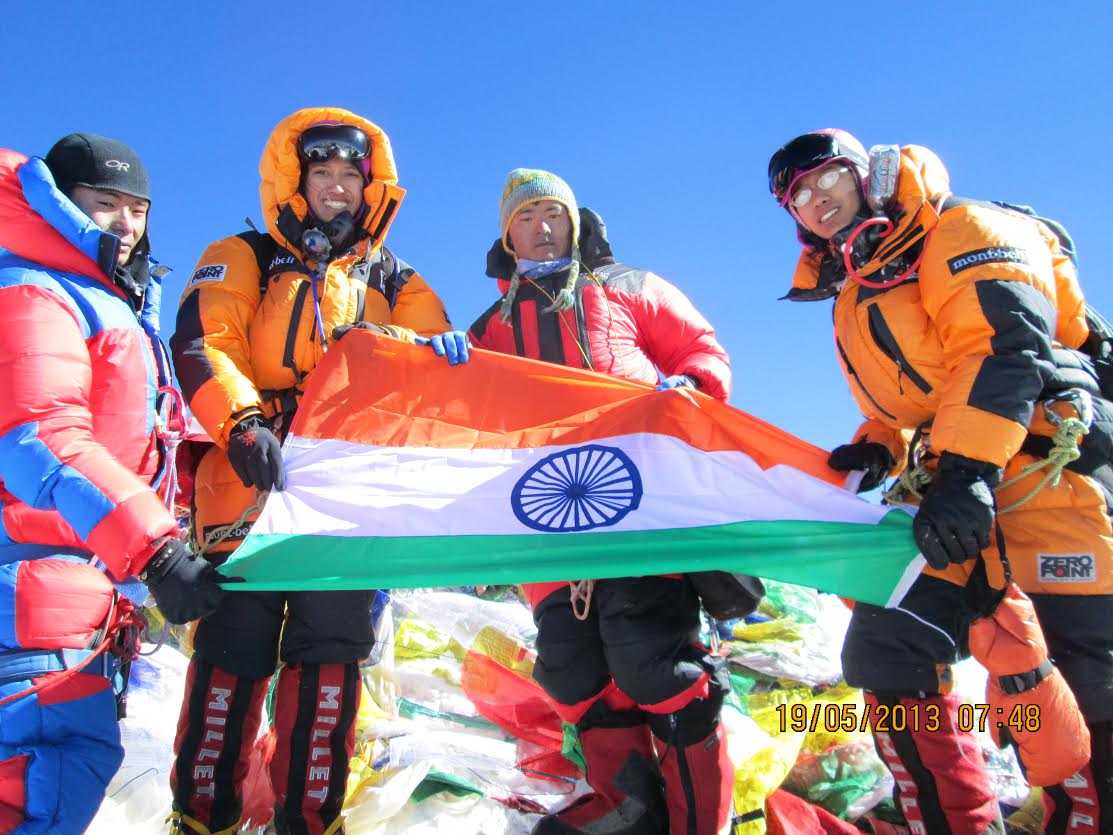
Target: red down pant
637 652
317 696
903 657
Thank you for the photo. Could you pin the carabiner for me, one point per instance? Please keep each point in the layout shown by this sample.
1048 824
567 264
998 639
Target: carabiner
1080 399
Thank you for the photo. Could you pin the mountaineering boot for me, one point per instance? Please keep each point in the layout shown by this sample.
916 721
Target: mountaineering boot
692 753
217 727
315 708
940 778
1083 803
625 794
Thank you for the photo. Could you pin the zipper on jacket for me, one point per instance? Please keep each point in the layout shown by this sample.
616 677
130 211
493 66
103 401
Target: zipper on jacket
858 380
886 340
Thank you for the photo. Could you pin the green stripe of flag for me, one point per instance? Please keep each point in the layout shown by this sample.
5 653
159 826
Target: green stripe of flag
862 562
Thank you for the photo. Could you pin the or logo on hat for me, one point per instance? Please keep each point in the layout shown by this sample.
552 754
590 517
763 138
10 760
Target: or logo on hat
115 163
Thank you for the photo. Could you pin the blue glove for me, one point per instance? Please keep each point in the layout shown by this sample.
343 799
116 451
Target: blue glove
676 381
451 344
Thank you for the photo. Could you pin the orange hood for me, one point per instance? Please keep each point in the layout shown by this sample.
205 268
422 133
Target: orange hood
284 207
922 181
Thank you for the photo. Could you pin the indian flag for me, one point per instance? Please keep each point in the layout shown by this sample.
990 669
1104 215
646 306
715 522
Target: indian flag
403 471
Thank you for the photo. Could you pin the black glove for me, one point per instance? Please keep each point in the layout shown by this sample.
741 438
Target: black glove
956 518
870 456
256 454
183 584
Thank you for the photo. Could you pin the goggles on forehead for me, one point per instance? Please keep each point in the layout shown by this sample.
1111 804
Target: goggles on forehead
321 143
801 155
825 182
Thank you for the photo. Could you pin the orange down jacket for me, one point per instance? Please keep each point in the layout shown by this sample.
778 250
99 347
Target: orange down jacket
964 350
246 341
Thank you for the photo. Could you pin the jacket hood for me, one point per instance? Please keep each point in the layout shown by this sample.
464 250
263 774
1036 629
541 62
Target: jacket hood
40 224
285 208
922 182
595 248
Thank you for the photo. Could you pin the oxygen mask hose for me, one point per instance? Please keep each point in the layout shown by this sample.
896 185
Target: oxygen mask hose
319 247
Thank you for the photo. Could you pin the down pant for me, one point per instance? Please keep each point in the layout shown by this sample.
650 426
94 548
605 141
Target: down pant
59 745
635 661
320 637
638 647
903 656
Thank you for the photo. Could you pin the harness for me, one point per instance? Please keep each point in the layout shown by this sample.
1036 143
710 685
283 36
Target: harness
1062 451
381 271
112 649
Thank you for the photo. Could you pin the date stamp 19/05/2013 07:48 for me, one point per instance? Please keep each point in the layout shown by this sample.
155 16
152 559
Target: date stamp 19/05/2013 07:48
832 717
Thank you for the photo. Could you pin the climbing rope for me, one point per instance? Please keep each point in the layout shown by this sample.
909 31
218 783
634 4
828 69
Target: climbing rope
170 429
1064 451
221 533
909 483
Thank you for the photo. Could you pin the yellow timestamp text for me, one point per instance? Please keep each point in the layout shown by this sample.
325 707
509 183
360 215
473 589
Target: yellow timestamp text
830 717
847 717
1019 717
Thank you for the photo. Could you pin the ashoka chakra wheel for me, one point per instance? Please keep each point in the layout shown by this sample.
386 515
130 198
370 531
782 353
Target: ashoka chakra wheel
578 489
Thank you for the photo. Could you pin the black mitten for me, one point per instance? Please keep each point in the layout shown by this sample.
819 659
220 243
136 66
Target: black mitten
870 456
956 518
184 585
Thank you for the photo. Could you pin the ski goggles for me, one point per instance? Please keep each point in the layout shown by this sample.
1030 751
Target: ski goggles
825 182
321 143
800 156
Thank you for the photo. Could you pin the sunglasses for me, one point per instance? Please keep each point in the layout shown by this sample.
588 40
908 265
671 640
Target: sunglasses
321 143
826 182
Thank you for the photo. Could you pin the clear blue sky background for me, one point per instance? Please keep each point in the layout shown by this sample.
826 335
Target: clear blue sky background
662 119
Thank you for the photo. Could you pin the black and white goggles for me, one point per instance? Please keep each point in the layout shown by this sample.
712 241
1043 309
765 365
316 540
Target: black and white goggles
324 142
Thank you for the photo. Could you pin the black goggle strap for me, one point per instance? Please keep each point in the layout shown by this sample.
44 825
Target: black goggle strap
801 153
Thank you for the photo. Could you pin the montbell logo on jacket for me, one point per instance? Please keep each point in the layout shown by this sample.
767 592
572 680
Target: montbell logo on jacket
989 255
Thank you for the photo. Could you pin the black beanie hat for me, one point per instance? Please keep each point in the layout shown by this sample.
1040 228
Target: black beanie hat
85 159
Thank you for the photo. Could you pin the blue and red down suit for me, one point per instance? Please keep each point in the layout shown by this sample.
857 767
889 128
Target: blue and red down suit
636 656
80 371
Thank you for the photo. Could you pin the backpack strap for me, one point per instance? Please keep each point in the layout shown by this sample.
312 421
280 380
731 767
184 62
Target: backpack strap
1066 242
383 272
264 248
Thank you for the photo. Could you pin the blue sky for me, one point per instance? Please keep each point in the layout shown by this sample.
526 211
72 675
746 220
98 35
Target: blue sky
661 120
